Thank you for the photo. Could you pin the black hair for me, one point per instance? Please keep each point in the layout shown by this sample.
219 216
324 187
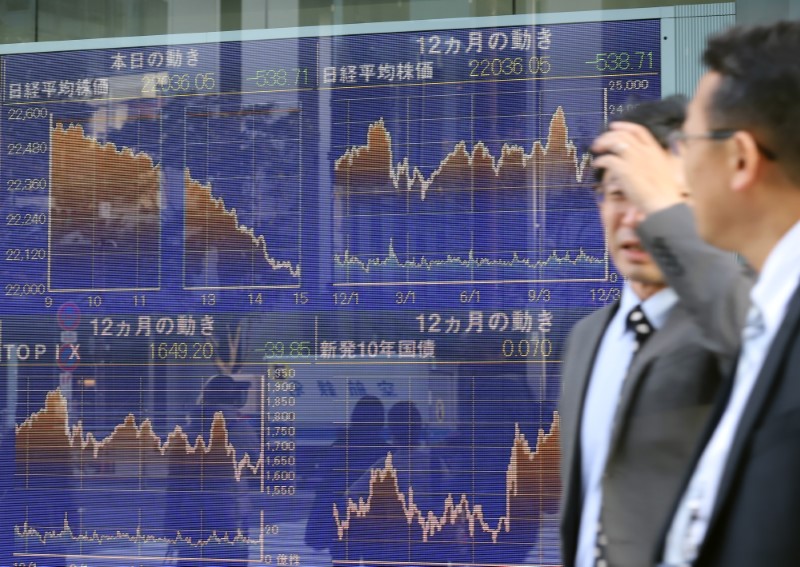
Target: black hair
368 412
222 389
405 424
660 117
760 87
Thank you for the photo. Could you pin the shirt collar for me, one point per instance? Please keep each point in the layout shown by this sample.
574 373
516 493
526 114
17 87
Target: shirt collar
656 307
778 278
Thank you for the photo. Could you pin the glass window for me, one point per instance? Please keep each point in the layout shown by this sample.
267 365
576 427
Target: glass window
291 285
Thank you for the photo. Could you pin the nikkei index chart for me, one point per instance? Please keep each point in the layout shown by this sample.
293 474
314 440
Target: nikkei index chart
300 300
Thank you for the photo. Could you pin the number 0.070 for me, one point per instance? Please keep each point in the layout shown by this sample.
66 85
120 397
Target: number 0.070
527 348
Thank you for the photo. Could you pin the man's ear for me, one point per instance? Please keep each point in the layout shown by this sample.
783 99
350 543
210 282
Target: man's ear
744 161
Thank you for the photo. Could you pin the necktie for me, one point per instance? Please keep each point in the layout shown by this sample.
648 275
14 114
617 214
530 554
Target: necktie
600 547
637 323
642 328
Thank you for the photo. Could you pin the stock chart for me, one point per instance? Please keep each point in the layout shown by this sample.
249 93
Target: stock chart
300 301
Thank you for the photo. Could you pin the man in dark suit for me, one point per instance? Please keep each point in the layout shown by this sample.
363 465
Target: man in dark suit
740 505
639 376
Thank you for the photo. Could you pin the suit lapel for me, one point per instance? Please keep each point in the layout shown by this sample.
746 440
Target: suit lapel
655 346
760 396
579 366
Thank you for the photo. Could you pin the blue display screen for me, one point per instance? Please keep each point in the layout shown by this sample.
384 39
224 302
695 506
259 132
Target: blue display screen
300 301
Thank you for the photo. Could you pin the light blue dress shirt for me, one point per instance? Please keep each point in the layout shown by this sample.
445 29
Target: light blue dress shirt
600 405
770 298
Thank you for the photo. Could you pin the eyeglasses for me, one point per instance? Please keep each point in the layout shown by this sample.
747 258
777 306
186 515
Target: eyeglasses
677 140
610 194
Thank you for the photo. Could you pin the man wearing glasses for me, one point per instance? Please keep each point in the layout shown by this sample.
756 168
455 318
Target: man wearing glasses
740 144
640 376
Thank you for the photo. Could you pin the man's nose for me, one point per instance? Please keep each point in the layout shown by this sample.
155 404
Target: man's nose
631 216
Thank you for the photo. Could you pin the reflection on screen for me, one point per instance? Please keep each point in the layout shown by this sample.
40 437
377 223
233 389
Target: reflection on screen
300 301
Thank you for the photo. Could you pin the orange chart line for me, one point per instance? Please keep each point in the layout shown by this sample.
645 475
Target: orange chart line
376 157
46 435
208 219
531 474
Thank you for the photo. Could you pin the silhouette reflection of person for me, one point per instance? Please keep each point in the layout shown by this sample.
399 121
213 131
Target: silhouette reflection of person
418 472
411 459
352 453
205 501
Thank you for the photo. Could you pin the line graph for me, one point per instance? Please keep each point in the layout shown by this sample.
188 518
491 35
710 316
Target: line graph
389 520
46 436
242 196
517 209
199 474
66 532
104 209
216 238
470 262
509 169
